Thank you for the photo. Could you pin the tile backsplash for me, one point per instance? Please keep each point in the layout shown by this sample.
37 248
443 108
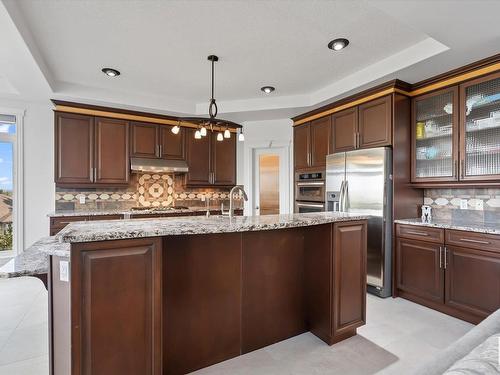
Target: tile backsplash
146 190
445 203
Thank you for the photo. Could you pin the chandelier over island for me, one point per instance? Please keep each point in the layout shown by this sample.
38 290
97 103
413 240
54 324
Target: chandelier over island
223 127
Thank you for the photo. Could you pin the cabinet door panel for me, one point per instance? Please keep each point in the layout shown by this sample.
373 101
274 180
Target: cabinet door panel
74 155
125 316
172 145
418 269
320 141
224 161
435 136
144 140
375 123
301 146
345 126
198 159
112 153
480 129
349 264
472 281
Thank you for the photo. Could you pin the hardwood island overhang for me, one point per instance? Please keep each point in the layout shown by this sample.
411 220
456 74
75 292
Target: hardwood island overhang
169 296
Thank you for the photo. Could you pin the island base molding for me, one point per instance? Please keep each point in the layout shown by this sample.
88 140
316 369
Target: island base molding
175 304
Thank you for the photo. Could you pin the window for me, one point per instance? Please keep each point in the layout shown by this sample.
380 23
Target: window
8 147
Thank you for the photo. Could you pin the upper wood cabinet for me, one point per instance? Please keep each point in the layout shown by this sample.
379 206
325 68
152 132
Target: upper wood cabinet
156 141
210 162
374 123
456 133
345 130
74 148
301 146
368 125
435 136
312 143
91 150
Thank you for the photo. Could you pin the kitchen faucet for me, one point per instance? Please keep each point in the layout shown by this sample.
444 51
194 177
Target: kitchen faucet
230 213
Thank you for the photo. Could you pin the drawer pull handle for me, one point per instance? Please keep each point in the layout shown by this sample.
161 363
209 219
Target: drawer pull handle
475 241
417 233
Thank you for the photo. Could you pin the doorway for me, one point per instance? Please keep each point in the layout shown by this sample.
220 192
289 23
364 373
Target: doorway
269 193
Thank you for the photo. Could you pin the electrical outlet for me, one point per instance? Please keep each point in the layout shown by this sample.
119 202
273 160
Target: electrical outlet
203 197
480 205
82 199
463 204
64 270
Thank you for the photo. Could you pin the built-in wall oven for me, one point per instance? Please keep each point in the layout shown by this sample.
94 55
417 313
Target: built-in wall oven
310 191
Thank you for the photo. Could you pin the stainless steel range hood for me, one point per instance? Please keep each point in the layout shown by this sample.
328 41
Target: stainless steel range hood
158 165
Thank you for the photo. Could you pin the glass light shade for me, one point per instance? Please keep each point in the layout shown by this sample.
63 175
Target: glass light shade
176 129
220 138
197 134
227 133
241 137
203 131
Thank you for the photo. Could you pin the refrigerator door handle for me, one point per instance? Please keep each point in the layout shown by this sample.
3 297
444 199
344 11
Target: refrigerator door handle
345 195
341 198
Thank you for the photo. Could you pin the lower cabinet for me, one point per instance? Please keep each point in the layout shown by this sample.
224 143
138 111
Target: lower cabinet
457 280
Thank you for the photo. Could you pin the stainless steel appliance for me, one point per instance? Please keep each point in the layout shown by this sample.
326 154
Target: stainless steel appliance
361 182
310 191
310 186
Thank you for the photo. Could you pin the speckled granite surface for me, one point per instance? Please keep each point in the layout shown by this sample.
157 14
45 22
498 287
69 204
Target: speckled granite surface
121 229
34 260
466 225
153 211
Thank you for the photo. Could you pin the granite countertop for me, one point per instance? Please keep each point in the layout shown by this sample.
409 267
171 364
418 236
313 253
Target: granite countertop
466 225
152 211
136 228
34 260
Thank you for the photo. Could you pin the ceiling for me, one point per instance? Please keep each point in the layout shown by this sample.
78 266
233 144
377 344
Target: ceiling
160 47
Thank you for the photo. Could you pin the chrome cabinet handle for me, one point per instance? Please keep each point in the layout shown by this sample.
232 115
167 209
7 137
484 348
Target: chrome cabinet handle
445 256
475 241
462 167
310 183
160 151
417 233
91 174
440 257
309 205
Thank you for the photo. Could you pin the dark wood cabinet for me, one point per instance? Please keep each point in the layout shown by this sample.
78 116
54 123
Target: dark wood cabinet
172 146
144 140
211 162
419 269
91 150
156 141
312 143
223 160
472 280
320 141
344 129
74 148
375 123
111 151
456 272
301 146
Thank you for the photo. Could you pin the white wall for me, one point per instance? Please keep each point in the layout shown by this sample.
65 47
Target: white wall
39 188
264 133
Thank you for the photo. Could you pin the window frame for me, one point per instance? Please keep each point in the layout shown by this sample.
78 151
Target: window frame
18 187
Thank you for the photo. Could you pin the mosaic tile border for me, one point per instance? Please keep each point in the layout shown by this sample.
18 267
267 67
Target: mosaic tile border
450 198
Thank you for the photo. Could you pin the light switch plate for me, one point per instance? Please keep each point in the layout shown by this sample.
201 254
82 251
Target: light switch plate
82 199
64 270
463 204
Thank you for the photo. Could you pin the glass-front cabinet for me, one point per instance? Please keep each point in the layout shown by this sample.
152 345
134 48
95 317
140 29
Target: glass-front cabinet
435 141
480 129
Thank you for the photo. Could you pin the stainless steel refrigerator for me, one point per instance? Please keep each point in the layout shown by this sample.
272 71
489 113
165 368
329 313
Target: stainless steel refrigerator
361 182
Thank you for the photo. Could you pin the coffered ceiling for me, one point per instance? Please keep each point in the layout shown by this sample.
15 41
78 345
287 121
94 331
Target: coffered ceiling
160 47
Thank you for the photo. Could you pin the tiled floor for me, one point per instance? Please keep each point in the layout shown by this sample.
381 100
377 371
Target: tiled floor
398 335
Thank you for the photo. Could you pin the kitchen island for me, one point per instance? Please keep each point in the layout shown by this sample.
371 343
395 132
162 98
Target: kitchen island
172 295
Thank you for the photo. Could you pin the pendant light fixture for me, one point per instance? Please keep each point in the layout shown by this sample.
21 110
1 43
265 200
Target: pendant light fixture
176 128
241 137
204 124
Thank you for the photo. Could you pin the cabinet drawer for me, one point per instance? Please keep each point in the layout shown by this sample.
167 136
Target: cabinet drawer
62 221
480 241
417 232
105 217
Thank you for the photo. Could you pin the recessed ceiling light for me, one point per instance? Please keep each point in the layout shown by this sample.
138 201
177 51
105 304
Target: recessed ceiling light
267 89
338 44
110 72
